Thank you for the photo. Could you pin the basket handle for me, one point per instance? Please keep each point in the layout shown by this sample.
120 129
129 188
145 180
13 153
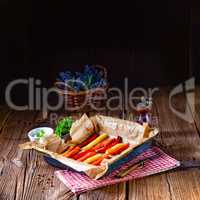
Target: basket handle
57 83
102 68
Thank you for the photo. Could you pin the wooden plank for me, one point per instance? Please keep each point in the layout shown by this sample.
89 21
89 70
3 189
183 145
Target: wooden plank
40 182
12 134
196 112
178 136
35 179
5 112
114 192
153 187
15 131
184 185
180 139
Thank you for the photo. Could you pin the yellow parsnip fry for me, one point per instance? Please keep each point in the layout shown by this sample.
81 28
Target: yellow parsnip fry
93 158
95 142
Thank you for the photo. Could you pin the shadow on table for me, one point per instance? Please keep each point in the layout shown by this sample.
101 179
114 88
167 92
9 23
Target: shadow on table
182 145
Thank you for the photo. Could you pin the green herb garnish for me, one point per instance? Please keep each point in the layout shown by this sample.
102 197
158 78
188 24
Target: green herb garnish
63 127
40 134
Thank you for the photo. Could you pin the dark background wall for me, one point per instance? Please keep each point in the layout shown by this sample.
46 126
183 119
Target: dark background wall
149 42
195 41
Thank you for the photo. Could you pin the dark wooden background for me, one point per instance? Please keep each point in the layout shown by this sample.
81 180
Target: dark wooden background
148 42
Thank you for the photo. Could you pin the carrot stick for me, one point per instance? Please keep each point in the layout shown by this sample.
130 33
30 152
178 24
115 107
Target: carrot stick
92 158
103 144
113 143
73 152
117 149
121 149
95 142
98 161
68 150
80 154
88 140
89 154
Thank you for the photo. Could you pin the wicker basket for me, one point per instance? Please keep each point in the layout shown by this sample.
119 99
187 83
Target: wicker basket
91 99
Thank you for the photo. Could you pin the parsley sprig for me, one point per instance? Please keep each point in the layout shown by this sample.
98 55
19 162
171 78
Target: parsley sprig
63 127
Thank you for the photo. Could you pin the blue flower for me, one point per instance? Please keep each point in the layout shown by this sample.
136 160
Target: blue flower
89 78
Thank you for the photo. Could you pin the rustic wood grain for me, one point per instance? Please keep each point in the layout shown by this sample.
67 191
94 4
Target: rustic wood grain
35 178
181 140
153 187
180 137
5 112
11 136
196 111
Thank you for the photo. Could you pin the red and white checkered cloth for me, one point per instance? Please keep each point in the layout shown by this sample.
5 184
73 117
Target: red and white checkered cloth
79 183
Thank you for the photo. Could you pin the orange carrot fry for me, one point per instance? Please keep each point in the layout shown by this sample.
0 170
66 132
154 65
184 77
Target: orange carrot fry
80 154
89 154
73 152
121 149
103 144
113 143
117 149
68 150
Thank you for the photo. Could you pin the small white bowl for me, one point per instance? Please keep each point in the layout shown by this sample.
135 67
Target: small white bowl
32 134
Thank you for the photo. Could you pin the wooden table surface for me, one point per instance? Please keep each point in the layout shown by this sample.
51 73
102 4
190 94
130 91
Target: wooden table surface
36 180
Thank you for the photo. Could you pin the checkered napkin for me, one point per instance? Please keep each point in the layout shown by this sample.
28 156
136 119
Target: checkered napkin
79 183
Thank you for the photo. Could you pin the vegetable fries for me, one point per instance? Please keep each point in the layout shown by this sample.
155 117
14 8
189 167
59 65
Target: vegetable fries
87 155
93 158
96 141
96 148
72 152
117 149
